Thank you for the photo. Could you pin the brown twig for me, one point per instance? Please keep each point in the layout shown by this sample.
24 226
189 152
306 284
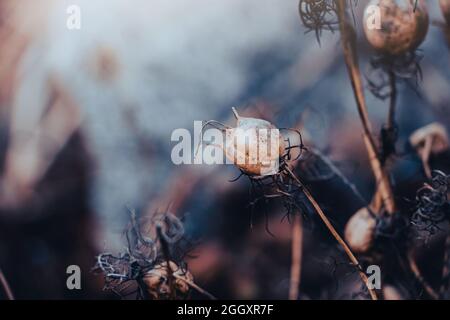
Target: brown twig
335 234
445 269
296 264
6 287
418 275
392 101
351 59
195 286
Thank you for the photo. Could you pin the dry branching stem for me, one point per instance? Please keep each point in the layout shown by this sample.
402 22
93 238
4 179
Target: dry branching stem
335 234
193 285
296 264
418 275
351 60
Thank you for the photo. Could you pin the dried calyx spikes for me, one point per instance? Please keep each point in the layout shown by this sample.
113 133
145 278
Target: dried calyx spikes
404 25
432 203
145 261
318 15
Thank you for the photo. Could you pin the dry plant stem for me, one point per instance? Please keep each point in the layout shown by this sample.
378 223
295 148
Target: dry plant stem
335 234
195 286
445 269
296 264
392 102
351 60
415 269
6 287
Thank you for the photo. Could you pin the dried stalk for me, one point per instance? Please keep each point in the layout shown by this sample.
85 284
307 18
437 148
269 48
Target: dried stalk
335 234
392 102
445 269
296 265
418 275
195 286
351 59
6 287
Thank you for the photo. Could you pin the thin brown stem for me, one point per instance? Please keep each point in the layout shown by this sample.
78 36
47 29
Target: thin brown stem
418 275
6 288
348 40
335 234
195 286
445 269
392 101
296 264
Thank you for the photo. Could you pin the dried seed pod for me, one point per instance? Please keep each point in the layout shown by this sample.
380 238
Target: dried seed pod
158 284
391 293
402 28
360 231
243 145
445 7
428 140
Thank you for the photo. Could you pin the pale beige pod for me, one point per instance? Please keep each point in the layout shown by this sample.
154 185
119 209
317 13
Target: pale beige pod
157 281
360 231
402 28
243 143
445 8
391 293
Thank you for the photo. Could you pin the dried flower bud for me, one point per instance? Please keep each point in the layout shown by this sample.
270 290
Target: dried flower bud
158 284
245 142
402 28
360 230
445 7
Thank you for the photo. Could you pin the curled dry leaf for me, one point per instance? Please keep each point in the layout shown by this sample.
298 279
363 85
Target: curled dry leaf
402 28
159 285
360 231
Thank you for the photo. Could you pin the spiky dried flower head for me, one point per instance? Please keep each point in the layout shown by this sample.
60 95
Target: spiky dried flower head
404 25
318 15
167 280
144 264
360 231
445 8
432 204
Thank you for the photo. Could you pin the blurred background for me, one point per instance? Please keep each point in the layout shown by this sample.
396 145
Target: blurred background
86 117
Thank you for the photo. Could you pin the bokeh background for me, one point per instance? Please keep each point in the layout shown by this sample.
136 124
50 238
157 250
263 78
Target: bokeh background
86 117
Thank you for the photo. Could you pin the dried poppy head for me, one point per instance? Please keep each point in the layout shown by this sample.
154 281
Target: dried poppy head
255 145
445 7
404 26
360 231
159 286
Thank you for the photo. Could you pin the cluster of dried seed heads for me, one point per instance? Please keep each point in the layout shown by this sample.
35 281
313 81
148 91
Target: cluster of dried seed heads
151 264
